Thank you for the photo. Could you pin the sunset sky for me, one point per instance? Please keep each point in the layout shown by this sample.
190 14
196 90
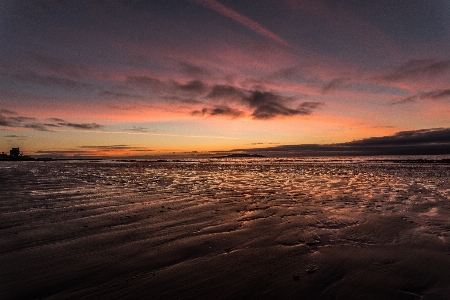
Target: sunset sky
153 77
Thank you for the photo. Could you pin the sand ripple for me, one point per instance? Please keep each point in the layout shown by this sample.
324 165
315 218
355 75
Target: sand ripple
264 229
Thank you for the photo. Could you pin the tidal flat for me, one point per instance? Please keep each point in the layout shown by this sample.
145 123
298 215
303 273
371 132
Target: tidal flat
225 229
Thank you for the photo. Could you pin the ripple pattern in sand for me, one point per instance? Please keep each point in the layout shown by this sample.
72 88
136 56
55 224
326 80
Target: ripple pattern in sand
203 210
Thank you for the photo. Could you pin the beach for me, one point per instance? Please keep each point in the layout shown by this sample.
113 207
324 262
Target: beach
224 229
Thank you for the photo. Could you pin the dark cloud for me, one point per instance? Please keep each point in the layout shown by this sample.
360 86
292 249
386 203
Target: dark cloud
7 112
56 120
5 122
433 95
419 68
414 137
15 136
225 111
219 111
51 125
58 66
113 147
87 126
258 98
287 73
195 86
61 152
264 105
272 110
334 84
261 143
52 81
109 94
190 101
182 100
306 108
199 112
406 100
434 141
12 119
137 129
21 119
36 126
193 70
226 92
62 123
143 80
440 94
21 122
268 105
93 150
33 123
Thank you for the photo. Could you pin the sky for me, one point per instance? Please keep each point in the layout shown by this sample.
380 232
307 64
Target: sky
137 78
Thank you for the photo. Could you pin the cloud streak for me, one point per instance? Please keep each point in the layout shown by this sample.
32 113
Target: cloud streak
137 129
246 21
432 95
45 80
114 147
96 151
418 68
58 66
334 84
63 123
12 119
7 112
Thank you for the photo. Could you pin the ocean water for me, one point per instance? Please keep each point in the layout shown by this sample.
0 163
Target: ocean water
66 220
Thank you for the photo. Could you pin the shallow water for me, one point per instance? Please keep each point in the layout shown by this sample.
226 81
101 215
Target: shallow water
124 229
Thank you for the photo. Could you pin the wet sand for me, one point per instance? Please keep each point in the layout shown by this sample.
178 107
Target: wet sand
259 230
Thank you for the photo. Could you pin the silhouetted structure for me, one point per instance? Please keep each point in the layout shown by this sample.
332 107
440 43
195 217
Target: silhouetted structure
14 152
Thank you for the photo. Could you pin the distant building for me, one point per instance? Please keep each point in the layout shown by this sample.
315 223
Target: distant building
14 152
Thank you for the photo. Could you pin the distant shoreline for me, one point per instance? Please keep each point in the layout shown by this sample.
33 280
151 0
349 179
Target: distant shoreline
190 159
241 155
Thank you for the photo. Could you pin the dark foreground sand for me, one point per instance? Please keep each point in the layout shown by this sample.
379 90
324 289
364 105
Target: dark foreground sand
211 231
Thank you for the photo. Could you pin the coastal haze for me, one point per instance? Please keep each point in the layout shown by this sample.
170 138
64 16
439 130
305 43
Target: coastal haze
220 149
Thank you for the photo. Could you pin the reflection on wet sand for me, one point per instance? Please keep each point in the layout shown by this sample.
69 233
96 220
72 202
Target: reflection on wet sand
225 229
